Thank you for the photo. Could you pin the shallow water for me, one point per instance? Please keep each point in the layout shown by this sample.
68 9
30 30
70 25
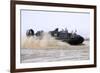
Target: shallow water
48 55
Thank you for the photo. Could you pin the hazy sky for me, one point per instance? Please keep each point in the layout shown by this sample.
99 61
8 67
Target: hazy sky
49 20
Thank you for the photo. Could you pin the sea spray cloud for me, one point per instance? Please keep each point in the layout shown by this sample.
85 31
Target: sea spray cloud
43 41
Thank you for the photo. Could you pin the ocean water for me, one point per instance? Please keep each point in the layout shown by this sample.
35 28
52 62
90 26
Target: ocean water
49 55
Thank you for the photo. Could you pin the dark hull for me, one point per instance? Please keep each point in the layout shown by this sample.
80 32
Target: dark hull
73 41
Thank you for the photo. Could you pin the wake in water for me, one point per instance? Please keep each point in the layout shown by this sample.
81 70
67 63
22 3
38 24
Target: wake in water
44 41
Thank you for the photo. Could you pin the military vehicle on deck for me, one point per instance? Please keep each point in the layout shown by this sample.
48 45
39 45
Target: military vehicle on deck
64 35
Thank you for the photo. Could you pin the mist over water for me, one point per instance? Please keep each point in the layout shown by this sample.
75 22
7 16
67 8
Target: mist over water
44 41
